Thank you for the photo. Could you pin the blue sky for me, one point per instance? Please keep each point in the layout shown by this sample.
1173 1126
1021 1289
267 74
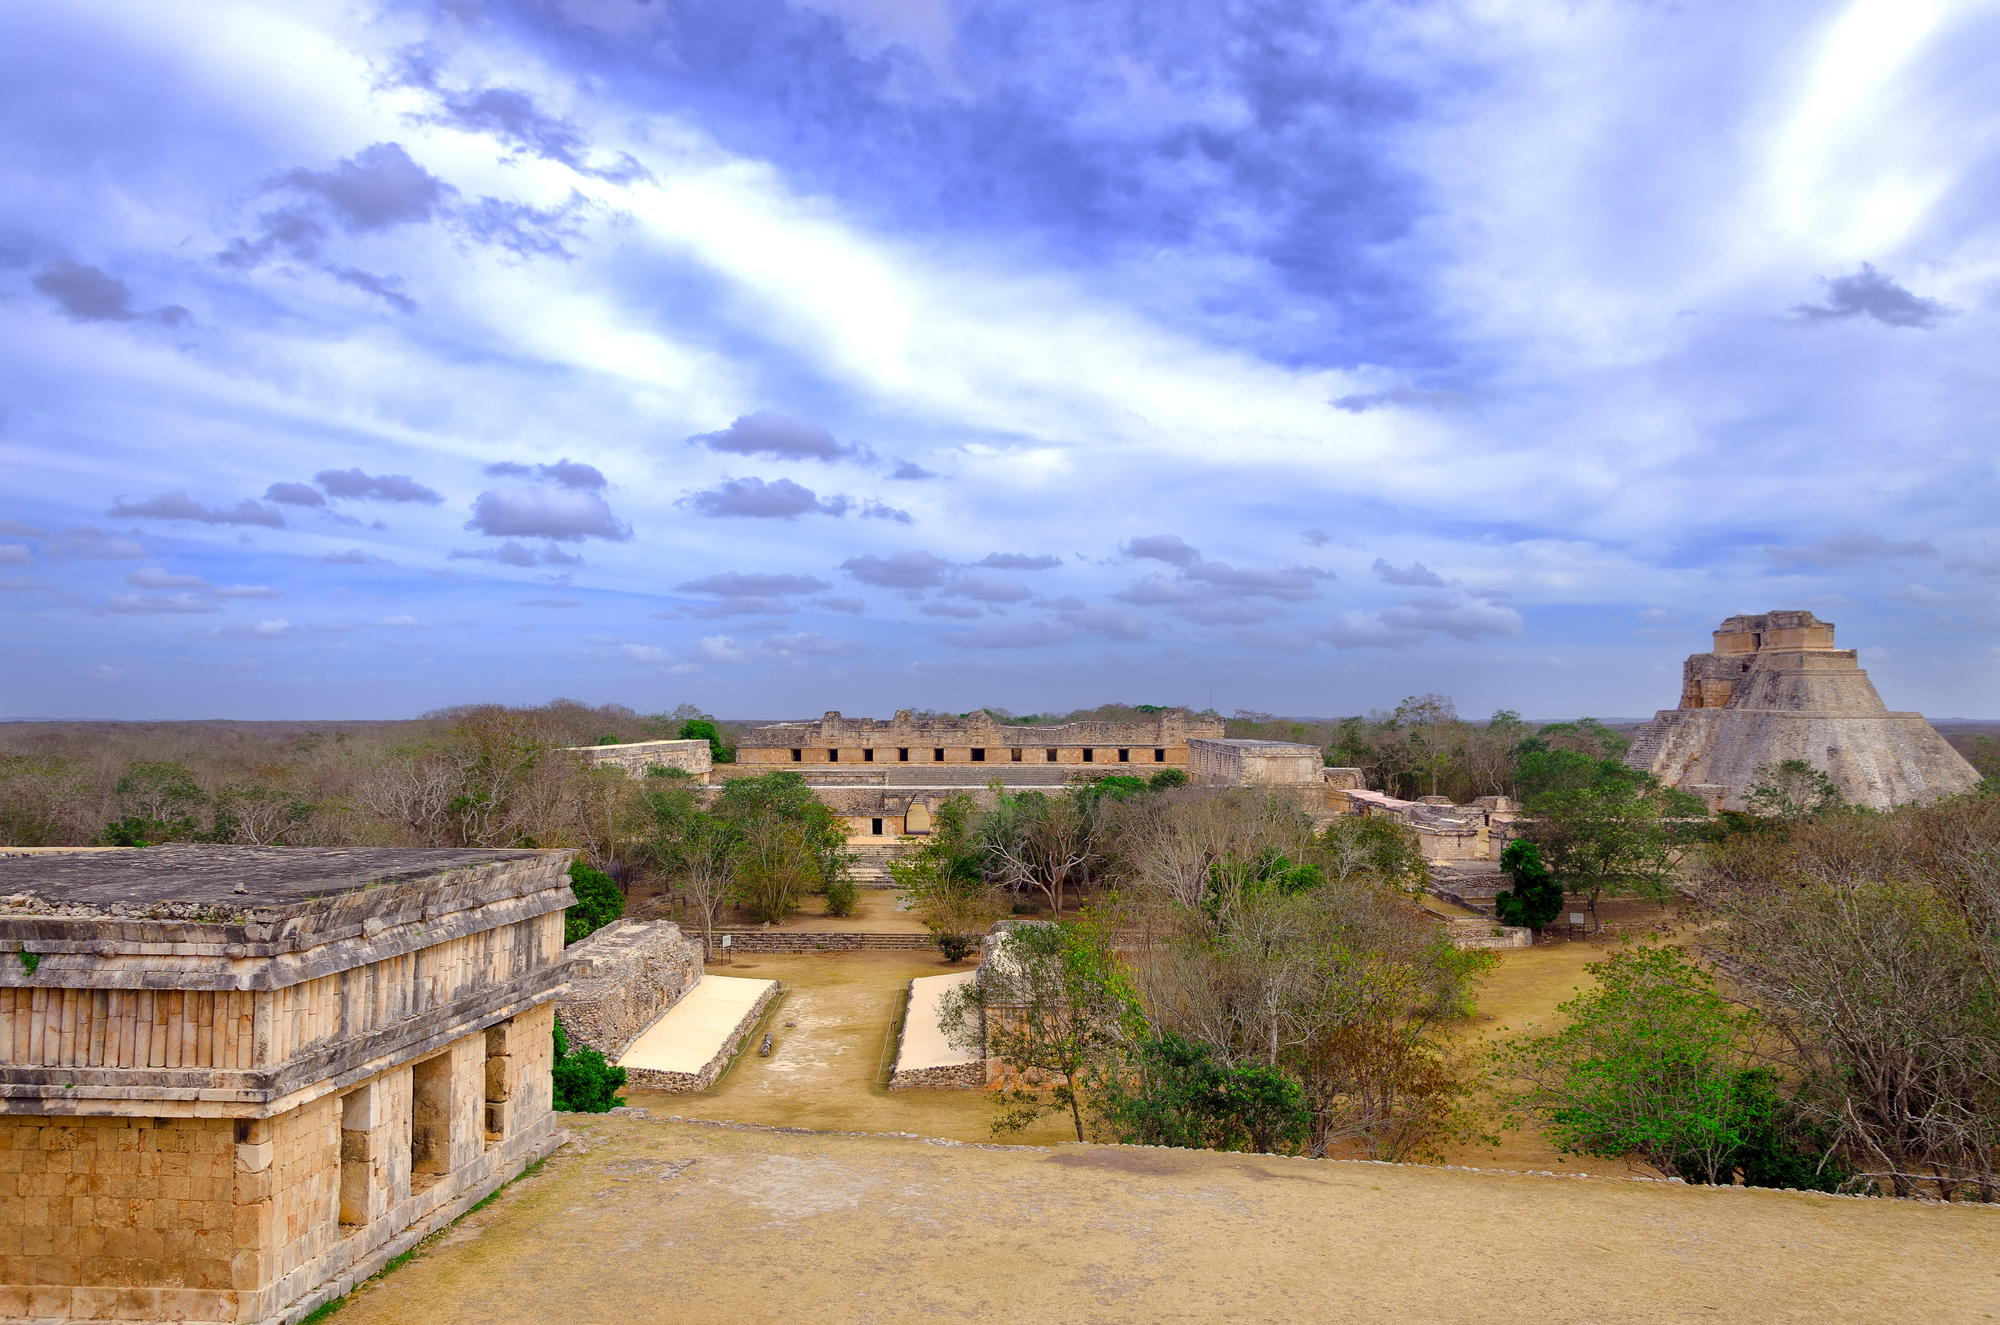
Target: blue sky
361 359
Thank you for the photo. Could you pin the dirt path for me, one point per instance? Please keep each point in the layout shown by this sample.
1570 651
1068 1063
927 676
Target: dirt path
642 1221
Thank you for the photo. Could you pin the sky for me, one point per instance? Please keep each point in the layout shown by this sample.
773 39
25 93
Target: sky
361 359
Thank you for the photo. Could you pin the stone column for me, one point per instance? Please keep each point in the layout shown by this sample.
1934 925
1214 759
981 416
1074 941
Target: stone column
366 1187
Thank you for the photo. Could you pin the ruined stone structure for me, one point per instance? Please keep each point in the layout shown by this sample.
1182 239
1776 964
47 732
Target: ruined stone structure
622 979
235 1080
1231 762
691 757
1774 689
976 739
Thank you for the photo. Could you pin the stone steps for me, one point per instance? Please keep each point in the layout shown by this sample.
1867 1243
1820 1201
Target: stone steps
779 941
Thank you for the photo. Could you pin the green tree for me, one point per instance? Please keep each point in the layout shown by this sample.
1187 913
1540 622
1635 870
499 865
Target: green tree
942 881
1053 1005
1616 836
1536 898
583 1082
598 902
1793 789
1177 1092
157 800
704 729
1647 1068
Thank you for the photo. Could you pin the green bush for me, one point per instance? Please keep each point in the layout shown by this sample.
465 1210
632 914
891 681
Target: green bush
955 947
598 902
583 1081
1168 777
1536 898
1183 1096
842 897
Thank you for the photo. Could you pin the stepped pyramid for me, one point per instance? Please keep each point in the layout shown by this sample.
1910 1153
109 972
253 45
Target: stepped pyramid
1775 689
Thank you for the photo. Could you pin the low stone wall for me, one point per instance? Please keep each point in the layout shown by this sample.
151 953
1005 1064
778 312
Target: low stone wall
685 1083
957 1076
622 979
784 940
1470 933
635 757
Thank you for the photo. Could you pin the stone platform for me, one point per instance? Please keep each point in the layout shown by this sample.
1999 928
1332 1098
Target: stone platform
687 1049
924 1058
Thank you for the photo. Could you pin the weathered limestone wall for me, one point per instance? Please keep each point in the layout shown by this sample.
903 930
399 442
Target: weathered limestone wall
622 979
1246 763
977 738
635 757
225 1105
1775 689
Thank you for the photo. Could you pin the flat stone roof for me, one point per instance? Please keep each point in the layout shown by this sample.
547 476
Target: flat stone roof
210 876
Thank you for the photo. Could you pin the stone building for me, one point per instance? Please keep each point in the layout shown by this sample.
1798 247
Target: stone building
1233 762
1775 688
979 738
235 1080
694 758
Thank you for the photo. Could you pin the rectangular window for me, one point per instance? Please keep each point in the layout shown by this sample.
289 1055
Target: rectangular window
1052 756
902 754
833 756
868 755
1124 756
798 756
1159 756
1089 756
1017 754
937 756
978 755
875 827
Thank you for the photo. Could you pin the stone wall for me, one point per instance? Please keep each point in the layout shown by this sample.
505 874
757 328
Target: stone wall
977 738
696 758
1246 763
622 979
806 940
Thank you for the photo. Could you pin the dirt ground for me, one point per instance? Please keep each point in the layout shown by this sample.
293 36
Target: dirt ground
645 1220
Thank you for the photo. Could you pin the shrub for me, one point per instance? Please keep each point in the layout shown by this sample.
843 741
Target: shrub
583 1081
841 897
1184 1096
1168 777
955 947
1536 898
598 902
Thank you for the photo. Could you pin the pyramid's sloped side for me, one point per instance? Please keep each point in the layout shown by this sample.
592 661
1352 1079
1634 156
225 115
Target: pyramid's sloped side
1875 760
1808 690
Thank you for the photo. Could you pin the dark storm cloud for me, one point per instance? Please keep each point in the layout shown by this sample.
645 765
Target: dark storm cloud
177 505
1017 561
88 294
775 433
736 582
294 494
1850 549
1868 293
754 499
910 471
1170 548
1418 576
901 570
357 486
565 515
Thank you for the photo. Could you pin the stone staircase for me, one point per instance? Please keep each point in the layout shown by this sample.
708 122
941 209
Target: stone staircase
1652 739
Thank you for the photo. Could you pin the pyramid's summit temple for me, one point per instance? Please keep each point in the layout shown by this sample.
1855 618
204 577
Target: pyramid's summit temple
1774 689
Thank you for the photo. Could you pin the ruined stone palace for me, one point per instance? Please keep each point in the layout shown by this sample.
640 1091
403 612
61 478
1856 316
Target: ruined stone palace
235 1080
1775 688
